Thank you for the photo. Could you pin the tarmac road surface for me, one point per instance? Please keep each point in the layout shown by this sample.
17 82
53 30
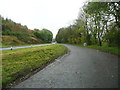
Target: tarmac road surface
18 47
80 68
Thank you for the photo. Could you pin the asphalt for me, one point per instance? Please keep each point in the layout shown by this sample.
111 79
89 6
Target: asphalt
9 48
80 68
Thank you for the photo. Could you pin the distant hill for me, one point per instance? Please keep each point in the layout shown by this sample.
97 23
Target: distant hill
16 34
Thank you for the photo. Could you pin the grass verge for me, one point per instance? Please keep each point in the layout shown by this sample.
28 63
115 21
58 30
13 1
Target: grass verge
113 50
6 46
20 62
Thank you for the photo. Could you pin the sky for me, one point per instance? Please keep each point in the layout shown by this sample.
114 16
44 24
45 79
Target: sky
39 14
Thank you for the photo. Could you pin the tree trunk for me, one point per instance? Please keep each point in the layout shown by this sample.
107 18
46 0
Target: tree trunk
100 42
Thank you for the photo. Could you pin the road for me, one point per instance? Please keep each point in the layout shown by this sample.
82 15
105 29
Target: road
80 68
25 46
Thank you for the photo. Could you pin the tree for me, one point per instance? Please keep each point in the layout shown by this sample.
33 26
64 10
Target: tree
44 34
22 33
97 23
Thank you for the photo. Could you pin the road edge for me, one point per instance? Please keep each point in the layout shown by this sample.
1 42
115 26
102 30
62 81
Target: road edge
16 82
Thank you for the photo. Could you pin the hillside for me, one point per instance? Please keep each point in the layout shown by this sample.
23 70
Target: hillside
13 40
16 34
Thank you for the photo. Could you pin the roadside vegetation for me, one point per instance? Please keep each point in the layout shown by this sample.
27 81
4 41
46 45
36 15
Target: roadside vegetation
5 46
113 50
16 34
98 25
20 62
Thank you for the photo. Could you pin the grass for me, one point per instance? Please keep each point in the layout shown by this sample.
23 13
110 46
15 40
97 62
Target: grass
20 62
5 46
9 40
113 50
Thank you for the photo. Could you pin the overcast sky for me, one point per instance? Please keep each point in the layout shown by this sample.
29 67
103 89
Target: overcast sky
49 14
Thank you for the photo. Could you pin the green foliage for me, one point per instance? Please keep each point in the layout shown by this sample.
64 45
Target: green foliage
20 62
45 35
97 24
113 50
113 37
71 34
24 34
